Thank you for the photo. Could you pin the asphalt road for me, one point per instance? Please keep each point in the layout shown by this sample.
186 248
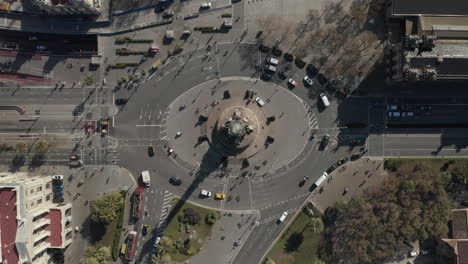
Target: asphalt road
141 122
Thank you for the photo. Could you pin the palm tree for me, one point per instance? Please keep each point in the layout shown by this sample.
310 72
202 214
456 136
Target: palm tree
316 225
21 147
41 146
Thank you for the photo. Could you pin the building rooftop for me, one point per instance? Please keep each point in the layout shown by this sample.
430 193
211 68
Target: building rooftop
448 67
459 224
430 7
8 226
55 227
462 248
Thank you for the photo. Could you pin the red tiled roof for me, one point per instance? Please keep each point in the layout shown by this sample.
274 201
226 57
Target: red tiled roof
55 227
8 226
462 247
459 225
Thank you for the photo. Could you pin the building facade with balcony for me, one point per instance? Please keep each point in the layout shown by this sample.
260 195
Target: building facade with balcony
30 223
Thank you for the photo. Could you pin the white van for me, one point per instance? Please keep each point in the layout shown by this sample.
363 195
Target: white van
273 61
324 100
145 176
321 179
283 217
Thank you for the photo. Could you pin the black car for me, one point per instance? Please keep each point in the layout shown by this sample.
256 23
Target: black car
144 231
175 180
282 74
288 57
264 48
121 101
322 79
300 63
332 168
324 142
168 14
342 161
276 51
311 70
151 150
266 76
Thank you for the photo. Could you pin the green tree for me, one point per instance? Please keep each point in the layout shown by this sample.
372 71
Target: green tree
41 146
294 242
106 208
21 147
89 80
316 225
161 259
165 245
96 254
318 261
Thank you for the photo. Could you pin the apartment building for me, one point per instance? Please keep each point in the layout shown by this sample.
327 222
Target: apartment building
30 223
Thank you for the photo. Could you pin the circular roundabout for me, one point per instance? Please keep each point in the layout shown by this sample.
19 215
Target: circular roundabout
238 125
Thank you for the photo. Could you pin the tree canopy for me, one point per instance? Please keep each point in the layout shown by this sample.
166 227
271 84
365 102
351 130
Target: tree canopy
378 224
41 146
106 208
97 255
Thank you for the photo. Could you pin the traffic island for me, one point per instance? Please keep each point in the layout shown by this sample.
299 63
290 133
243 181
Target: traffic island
188 230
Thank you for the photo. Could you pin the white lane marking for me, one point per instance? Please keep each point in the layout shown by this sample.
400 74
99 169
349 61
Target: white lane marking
149 125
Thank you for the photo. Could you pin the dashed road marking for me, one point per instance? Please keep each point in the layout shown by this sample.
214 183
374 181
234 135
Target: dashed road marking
252 203
284 201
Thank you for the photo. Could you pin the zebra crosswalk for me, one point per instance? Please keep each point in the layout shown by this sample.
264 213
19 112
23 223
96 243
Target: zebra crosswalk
166 208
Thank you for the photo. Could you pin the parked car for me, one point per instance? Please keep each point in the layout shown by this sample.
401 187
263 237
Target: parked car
259 101
292 83
332 168
394 114
407 114
392 107
266 76
283 217
342 161
425 107
205 193
322 79
311 70
413 253
264 48
121 101
308 80
220 196
168 14
300 63
58 194
175 180
289 57
273 61
276 51
270 68
205 6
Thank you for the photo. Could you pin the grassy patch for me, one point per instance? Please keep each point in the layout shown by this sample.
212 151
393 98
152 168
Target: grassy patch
311 246
176 231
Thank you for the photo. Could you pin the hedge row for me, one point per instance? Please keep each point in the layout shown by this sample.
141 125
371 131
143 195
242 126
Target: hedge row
121 40
124 64
131 52
118 233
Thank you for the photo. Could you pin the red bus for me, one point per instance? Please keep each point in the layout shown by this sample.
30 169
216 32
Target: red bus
132 235
137 202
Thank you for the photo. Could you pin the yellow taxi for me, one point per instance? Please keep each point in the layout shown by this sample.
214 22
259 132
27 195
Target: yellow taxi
220 196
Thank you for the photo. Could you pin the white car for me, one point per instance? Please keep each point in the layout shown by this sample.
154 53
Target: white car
270 68
407 114
392 107
205 193
292 82
414 253
57 177
308 80
156 241
283 216
259 101
273 61
205 6
394 114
